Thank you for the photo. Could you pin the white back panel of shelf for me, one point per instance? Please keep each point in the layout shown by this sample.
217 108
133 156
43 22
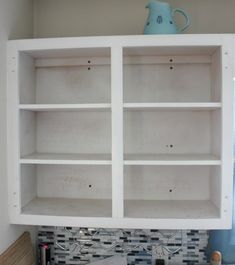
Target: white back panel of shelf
167 132
74 132
77 182
167 83
80 84
167 182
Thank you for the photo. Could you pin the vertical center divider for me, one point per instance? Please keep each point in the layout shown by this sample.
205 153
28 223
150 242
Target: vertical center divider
117 131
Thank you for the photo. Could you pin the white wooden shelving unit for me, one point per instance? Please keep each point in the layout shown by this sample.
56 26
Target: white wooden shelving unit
121 131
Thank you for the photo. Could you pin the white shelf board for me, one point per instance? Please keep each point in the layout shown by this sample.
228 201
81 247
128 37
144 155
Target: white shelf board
67 159
178 209
171 159
174 105
69 207
128 106
125 223
65 107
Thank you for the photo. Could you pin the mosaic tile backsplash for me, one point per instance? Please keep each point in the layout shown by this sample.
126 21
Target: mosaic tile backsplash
83 245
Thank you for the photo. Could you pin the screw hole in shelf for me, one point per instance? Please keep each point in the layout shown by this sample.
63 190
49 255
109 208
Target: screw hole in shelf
90 186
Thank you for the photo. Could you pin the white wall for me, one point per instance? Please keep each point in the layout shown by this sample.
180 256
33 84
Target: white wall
16 19
57 18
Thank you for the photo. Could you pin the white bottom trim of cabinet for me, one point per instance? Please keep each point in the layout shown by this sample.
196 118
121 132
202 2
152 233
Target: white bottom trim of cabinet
125 223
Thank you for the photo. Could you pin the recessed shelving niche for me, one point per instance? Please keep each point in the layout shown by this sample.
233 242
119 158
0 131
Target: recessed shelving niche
66 190
171 191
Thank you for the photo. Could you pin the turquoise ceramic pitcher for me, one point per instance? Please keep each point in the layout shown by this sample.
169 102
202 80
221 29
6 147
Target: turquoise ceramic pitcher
161 19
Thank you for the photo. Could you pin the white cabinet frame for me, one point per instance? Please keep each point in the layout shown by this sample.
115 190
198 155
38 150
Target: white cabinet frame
117 44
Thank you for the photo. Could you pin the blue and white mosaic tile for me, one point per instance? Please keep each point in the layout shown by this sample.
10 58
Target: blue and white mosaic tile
72 246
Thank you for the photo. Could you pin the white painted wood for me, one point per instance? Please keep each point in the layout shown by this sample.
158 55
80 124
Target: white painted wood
64 107
74 132
68 47
28 184
67 159
128 223
26 78
215 186
70 51
167 83
61 62
117 132
74 182
172 82
227 132
73 85
69 207
216 75
131 106
147 132
167 59
172 209
27 132
216 139
171 159
13 141
174 105
168 182
169 49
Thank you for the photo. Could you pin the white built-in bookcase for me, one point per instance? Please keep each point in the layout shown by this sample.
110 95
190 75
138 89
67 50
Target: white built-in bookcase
121 131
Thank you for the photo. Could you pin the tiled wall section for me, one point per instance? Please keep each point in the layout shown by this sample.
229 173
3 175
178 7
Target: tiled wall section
81 245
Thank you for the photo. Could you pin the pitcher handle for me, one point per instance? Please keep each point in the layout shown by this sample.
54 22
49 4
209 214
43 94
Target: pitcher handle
182 12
